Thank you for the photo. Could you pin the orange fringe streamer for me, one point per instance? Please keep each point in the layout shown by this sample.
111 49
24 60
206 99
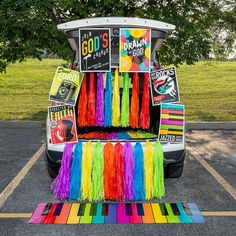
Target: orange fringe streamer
82 104
91 101
134 109
109 171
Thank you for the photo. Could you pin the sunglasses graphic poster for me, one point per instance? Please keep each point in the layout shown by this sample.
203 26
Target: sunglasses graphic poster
95 50
135 47
62 124
164 86
65 86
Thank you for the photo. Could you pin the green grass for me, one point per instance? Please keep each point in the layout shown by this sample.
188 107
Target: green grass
208 89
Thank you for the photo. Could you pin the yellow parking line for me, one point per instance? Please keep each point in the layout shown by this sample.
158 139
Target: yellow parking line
16 181
15 215
229 188
218 213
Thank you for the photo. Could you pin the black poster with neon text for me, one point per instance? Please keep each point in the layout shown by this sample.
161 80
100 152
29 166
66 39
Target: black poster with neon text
95 50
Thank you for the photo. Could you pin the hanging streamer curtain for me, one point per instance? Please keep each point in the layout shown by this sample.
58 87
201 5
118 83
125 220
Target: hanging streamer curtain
148 170
82 104
158 178
108 102
125 102
76 170
86 182
116 101
61 184
97 173
145 112
100 101
129 170
91 101
134 108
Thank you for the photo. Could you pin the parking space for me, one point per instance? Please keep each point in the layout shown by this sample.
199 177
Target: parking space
196 185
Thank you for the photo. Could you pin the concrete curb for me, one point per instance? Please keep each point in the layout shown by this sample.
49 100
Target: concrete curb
211 125
21 124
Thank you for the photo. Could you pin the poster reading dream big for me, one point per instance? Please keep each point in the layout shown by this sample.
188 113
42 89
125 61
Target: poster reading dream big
135 50
95 50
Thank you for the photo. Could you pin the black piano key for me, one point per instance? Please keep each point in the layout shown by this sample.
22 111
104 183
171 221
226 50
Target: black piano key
81 209
164 211
128 209
186 209
140 209
175 209
93 209
46 209
105 209
57 211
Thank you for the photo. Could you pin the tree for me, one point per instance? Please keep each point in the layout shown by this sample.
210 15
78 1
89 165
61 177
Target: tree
27 27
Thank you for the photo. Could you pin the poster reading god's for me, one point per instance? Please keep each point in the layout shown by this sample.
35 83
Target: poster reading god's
135 50
65 86
62 124
95 50
164 86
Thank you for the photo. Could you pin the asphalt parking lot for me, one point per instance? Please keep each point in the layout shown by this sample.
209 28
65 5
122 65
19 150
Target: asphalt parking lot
208 180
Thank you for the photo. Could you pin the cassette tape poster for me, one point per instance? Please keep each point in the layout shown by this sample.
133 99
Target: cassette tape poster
164 86
62 124
95 50
171 123
65 86
135 46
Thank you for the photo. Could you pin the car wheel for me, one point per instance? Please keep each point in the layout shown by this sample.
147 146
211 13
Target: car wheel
52 168
173 171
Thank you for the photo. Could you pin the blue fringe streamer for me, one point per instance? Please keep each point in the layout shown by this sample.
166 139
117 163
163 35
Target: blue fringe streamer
123 135
139 189
108 102
75 178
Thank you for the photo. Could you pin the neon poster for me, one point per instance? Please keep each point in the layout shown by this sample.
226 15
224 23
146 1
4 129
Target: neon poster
95 50
135 50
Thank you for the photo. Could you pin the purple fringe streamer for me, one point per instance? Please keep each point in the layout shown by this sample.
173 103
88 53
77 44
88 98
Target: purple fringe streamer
61 184
129 170
113 135
100 101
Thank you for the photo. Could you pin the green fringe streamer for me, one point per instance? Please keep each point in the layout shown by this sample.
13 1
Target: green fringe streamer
158 182
125 102
97 173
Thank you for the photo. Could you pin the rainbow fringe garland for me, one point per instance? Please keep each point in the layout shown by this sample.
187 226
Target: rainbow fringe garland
111 172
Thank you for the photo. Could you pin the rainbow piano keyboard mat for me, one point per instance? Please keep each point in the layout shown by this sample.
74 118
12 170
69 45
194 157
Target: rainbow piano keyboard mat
116 213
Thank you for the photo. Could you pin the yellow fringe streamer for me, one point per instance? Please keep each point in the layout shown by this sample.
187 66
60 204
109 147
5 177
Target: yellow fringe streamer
86 181
116 101
148 170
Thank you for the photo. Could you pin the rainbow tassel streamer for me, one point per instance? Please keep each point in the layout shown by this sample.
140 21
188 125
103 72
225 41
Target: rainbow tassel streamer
158 176
134 108
139 189
108 102
91 101
148 170
129 170
61 184
145 110
76 170
125 102
109 172
82 104
100 101
97 173
119 165
116 101
86 182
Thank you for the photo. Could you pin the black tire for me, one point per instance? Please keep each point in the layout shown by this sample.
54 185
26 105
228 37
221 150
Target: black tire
173 171
52 168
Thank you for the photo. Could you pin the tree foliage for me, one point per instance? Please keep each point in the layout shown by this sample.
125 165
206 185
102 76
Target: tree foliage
29 26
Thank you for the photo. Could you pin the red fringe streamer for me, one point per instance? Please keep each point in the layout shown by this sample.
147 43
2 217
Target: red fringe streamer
91 101
109 172
134 109
119 162
82 104
145 112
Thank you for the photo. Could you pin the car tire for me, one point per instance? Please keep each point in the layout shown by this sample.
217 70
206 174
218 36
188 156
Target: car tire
52 168
173 171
